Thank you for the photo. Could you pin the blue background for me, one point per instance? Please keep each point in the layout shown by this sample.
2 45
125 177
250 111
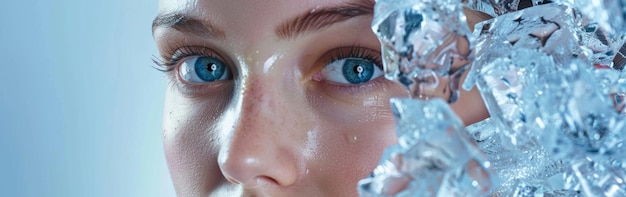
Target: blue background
80 104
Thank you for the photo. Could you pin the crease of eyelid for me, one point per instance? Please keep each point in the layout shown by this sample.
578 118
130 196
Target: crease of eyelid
317 19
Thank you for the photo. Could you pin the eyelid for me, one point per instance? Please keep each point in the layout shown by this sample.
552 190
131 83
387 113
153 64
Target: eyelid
355 51
190 51
175 56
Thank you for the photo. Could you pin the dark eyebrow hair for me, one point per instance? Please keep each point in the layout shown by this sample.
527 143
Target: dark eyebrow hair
186 24
315 19
318 19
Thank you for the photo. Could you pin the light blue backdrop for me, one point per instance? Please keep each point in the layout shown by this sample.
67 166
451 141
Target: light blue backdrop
80 105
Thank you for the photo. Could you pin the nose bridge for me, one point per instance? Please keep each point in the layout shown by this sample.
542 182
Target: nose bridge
258 100
252 123
259 147
265 96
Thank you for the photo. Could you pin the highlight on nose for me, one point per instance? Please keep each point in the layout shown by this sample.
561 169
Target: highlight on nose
252 166
256 151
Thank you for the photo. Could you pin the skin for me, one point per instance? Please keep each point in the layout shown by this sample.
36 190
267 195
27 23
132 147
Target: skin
276 127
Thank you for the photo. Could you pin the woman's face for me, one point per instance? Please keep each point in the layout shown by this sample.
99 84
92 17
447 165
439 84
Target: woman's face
273 98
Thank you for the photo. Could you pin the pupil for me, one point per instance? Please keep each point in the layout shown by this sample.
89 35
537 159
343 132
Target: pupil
359 69
209 69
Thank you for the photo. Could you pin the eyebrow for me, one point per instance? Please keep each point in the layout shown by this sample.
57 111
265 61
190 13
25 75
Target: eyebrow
313 20
186 24
318 19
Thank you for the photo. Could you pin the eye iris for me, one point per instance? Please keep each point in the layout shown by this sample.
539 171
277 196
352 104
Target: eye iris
209 69
357 71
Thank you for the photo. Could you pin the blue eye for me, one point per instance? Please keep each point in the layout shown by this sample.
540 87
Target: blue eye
203 69
351 71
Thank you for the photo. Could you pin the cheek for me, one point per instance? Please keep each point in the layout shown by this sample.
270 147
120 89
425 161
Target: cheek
353 136
189 143
352 149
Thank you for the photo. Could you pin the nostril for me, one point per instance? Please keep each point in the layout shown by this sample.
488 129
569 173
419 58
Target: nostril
266 179
229 179
260 180
244 172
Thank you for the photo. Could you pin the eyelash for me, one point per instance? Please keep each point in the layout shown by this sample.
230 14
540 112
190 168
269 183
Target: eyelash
356 51
168 62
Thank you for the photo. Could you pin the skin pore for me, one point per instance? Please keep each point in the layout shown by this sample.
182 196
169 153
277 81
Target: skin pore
276 114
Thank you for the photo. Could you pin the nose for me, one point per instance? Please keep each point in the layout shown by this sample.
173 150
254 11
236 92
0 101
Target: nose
262 147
